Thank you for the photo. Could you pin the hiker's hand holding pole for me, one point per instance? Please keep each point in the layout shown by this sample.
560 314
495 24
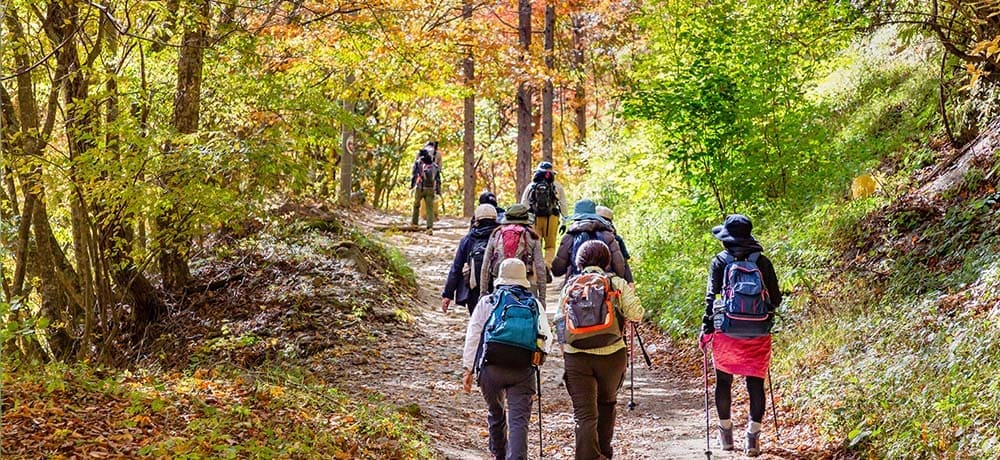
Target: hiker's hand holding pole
444 304
703 339
467 381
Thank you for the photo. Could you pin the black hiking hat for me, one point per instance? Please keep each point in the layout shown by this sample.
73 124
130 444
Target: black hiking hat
517 214
735 230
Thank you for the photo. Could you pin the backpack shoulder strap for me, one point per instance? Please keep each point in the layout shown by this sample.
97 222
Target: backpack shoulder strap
753 257
728 258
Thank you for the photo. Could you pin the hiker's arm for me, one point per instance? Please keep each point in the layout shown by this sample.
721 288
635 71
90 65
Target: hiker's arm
455 274
473 332
561 195
630 304
561 261
618 262
714 288
437 181
414 173
544 329
538 260
525 195
621 244
770 281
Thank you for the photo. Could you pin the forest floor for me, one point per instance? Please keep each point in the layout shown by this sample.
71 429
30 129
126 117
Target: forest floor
424 368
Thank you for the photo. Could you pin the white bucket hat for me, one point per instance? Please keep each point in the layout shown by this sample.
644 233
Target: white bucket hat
513 273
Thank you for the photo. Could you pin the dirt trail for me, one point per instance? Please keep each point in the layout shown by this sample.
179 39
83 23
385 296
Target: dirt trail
668 422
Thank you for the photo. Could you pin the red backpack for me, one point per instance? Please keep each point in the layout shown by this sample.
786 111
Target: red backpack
511 241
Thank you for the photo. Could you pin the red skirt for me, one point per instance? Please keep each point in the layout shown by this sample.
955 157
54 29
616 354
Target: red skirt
750 357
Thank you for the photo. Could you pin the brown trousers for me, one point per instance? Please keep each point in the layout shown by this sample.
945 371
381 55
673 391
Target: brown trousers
593 382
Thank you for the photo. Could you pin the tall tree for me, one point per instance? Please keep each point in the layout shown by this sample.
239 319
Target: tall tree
524 97
174 239
469 124
580 92
548 90
346 147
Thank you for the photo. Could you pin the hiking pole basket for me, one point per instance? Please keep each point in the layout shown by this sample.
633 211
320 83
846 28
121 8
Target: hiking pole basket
708 435
774 406
538 380
631 368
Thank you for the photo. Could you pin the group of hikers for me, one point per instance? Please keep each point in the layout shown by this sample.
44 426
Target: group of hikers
500 272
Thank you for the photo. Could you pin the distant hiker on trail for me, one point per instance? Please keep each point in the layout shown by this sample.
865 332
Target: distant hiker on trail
544 197
515 238
488 197
425 183
738 325
587 225
590 322
462 285
609 216
507 335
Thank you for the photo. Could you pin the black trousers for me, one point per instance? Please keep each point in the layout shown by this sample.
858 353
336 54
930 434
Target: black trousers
724 396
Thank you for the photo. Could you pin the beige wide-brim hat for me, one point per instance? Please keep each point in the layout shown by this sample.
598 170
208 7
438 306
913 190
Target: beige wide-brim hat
605 212
513 273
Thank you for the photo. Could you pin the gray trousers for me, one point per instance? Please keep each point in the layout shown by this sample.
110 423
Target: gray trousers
516 386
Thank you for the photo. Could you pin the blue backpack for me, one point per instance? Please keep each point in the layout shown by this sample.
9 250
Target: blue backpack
510 336
745 304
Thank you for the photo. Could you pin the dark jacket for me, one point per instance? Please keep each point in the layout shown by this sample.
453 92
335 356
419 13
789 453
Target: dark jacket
415 172
716 273
455 287
564 261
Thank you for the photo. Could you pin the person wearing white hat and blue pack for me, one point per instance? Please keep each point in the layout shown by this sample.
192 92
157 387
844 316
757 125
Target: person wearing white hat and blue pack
506 339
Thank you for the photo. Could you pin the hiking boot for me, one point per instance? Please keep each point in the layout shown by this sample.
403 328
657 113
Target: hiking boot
753 444
726 438
548 275
430 231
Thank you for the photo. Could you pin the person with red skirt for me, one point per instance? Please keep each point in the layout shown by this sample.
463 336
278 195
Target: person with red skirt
739 346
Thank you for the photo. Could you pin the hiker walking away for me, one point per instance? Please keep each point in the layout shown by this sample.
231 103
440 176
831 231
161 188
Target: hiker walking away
515 238
425 183
586 225
507 334
462 284
488 197
740 301
544 197
590 323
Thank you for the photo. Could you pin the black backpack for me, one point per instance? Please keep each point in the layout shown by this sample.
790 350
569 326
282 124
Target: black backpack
475 261
543 201
428 175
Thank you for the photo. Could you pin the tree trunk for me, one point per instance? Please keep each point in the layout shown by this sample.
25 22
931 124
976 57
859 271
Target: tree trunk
173 257
346 148
548 90
469 200
524 131
580 93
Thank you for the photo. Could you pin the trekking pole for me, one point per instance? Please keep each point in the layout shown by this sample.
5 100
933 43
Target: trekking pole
631 368
635 330
538 380
708 432
774 407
